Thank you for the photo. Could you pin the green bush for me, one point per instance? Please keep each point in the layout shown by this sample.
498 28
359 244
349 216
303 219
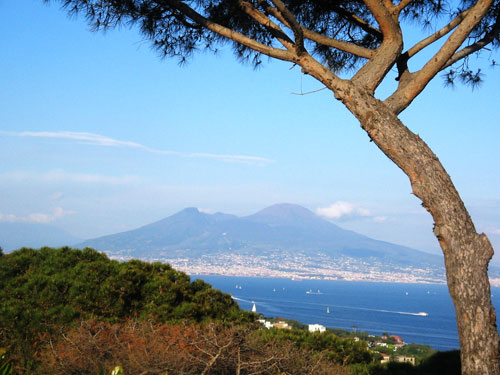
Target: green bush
44 290
336 349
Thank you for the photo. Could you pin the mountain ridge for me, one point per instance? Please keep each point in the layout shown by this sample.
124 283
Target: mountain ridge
279 232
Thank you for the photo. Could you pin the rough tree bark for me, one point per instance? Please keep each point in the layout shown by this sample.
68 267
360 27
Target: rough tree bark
466 252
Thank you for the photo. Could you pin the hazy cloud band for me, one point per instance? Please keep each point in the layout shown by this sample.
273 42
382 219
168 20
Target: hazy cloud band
100 140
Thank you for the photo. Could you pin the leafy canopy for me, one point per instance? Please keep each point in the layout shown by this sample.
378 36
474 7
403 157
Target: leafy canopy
48 289
343 35
56 286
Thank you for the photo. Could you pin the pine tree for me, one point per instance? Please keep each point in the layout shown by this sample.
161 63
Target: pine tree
364 40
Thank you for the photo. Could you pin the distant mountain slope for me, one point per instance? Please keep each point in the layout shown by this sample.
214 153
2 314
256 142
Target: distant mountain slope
16 235
282 227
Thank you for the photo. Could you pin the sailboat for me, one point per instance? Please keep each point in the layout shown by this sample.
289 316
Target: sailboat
328 310
254 308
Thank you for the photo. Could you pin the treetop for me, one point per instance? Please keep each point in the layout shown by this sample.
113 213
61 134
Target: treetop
364 37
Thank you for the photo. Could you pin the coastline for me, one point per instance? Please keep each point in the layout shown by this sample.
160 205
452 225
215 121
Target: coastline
299 269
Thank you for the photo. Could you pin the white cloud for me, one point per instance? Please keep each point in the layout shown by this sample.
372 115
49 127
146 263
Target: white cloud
36 217
59 175
380 219
100 140
340 209
496 231
88 138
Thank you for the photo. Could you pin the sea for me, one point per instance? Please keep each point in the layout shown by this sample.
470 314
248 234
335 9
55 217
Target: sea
419 313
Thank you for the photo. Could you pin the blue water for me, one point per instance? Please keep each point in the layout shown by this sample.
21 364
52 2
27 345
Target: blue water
371 307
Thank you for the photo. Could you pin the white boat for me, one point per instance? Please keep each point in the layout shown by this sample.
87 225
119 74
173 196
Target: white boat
254 308
328 310
422 314
311 292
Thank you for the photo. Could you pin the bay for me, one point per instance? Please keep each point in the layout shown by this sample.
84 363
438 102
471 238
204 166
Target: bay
356 306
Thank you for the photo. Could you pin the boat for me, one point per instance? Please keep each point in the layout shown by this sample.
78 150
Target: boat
422 314
328 310
254 308
311 292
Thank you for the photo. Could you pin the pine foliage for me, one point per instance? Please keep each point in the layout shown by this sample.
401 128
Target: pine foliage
44 290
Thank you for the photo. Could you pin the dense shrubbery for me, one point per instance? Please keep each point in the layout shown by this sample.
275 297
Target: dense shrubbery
42 290
189 349
214 348
336 349
58 285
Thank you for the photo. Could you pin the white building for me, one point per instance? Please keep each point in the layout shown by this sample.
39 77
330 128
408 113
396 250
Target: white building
316 328
265 323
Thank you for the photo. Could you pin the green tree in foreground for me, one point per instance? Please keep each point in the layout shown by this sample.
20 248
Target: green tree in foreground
44 290
362 38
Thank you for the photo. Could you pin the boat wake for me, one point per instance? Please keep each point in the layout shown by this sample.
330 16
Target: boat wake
383 311
242 300
342 306
402 312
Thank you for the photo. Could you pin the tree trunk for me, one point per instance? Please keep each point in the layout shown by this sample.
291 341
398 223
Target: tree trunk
466 252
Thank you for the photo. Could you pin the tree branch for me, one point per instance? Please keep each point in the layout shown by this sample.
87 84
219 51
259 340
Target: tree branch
388 4
373 72
402 4
231 34
265 21
381 14
293 24
466 51
366 53
317 70
361 23
437 35
324 40
410 88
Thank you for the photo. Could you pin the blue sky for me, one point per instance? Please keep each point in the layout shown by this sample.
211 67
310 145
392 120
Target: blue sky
100 135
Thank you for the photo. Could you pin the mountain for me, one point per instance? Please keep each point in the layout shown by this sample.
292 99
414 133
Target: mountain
282 239
16 235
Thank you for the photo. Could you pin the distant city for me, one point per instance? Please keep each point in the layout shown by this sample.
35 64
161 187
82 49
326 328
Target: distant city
298 266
